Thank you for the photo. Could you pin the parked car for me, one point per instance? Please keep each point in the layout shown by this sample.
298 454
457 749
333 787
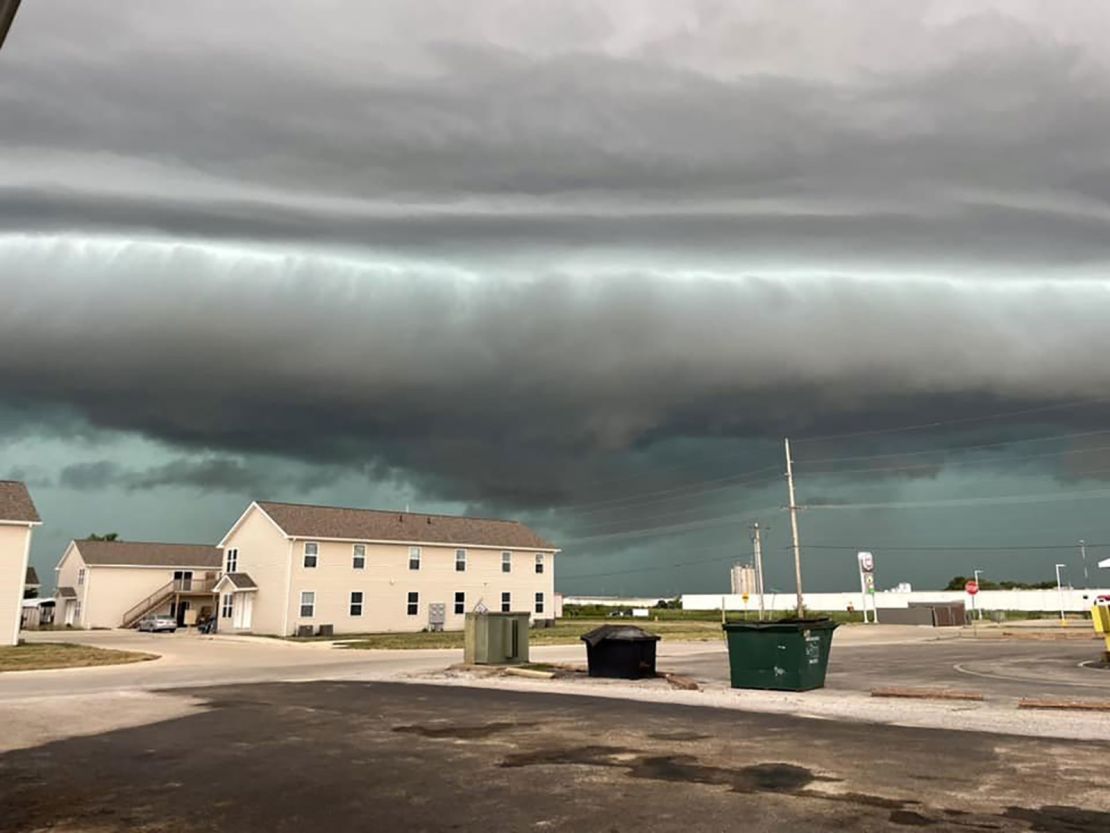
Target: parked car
158 624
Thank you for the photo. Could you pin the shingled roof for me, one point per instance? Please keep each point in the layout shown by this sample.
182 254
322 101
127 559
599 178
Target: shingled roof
145 554
31 579
16 504
302 521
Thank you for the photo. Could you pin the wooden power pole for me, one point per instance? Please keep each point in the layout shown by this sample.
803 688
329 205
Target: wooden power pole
793 507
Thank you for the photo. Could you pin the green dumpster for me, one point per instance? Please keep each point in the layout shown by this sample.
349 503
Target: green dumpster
787 655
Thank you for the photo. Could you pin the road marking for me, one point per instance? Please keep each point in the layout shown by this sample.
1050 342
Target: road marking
960 668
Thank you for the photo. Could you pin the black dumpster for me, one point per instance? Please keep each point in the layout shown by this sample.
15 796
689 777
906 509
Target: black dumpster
621 651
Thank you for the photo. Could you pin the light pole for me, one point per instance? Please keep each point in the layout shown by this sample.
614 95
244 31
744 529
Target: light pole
1083 555
1060 592
974 603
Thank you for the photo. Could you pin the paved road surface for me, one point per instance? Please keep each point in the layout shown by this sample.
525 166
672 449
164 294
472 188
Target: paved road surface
1002 669
343 756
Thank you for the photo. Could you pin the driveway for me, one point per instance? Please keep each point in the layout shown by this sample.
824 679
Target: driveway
374 756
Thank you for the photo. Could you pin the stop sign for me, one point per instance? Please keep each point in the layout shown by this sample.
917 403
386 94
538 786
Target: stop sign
972 587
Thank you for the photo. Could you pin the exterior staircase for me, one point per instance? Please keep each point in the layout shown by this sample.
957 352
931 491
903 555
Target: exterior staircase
167 592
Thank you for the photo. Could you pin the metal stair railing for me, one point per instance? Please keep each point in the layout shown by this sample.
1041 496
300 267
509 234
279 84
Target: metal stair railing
159 596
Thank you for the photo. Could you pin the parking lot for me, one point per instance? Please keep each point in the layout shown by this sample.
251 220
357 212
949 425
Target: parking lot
379 756
261 734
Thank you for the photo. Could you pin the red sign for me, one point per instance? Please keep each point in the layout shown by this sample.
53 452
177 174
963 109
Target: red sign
972 587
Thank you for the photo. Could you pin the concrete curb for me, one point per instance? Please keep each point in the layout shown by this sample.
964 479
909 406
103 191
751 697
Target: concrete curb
928 694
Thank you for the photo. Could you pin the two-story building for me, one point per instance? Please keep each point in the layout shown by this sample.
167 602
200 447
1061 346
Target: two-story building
18 518
113 584
291 568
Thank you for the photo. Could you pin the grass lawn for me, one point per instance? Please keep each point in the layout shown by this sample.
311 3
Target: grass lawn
565 632
33 656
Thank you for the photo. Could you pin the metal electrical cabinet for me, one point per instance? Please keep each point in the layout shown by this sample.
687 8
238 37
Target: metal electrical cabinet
496 638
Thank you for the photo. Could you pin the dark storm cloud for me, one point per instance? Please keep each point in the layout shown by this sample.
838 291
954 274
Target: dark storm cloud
476 385
205 474
976 146
525 255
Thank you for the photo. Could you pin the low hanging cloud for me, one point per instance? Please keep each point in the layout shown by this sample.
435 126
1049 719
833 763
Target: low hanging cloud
479 383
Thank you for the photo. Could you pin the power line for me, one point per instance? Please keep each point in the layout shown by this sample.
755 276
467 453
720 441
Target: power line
947 464
960 421
669 529
738 478
1082 494
949 547
957 448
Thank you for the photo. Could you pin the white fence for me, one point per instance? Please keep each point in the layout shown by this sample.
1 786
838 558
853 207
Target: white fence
1073 601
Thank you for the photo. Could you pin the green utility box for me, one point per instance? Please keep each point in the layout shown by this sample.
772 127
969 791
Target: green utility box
496 638
787 655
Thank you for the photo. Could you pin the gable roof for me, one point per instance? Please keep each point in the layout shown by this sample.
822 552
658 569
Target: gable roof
32 578
145 554
16 504
303 521
239 581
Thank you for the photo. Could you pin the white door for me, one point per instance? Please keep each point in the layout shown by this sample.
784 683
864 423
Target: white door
242 609
69 612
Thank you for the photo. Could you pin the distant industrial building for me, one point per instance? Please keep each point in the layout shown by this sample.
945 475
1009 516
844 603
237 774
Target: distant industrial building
743 580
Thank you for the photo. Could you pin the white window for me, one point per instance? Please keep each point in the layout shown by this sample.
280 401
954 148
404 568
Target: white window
356 602
460 561
228 606
232 560
358 558
311 553
414 558
460 602
539 562
413 607
539 603
506 602
77 610
506 562
308 604
80 576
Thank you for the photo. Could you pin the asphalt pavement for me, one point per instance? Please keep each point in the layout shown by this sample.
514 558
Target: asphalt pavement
376 756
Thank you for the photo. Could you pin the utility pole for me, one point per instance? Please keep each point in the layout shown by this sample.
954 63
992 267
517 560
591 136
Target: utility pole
1060 591
975 607
793 507
757 547
1083 555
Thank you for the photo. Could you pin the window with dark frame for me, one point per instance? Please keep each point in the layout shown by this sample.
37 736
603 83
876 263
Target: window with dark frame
539 603
506 602
413 607
539 562
414 558
228 606
460 561
356 602
460 602
358 556
506 562
308 604
232 560
311 554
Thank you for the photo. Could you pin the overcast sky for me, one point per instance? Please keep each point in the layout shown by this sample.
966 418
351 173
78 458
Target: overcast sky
584 264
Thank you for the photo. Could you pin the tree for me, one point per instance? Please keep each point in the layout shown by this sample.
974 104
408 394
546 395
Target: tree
107 536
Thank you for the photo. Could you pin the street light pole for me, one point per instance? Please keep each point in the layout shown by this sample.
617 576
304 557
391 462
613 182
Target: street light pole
1083 555
974 602
1060 592
793 507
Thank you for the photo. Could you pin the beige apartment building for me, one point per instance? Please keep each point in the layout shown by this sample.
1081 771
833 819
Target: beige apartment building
292 568
113 584
18 518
